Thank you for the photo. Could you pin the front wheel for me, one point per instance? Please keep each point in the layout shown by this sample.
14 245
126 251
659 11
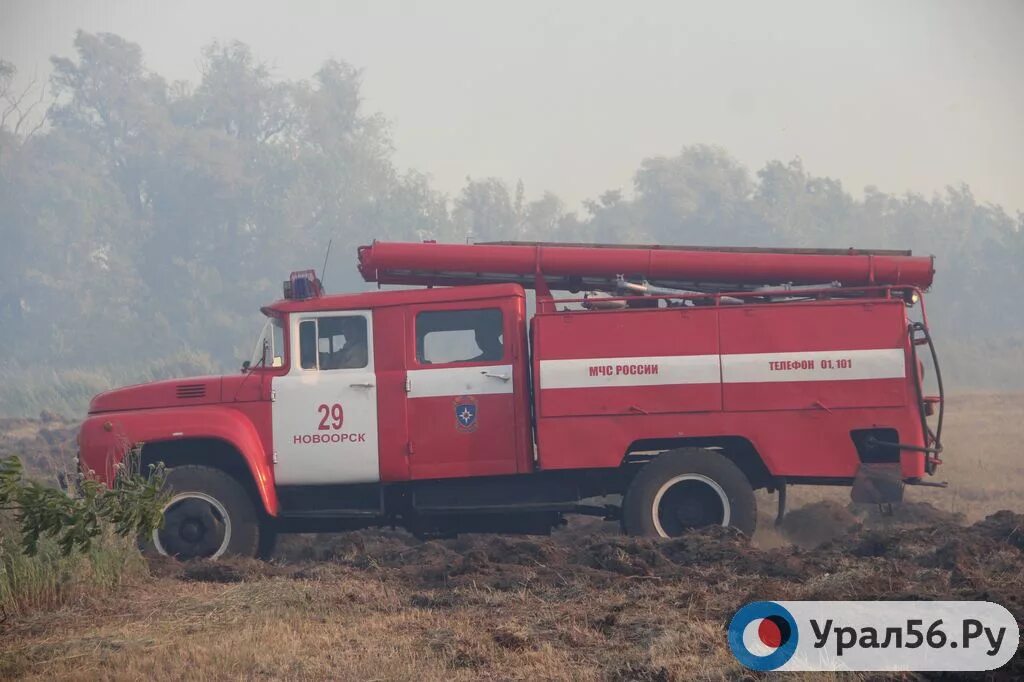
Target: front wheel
685 489
209 514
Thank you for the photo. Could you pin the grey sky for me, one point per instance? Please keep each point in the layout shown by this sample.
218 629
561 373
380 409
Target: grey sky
570 96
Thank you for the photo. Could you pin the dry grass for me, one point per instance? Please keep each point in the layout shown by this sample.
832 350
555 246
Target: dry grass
51 580
583 605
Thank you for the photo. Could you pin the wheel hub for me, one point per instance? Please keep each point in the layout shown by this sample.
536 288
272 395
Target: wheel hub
690 501
195 526
191 531
691 513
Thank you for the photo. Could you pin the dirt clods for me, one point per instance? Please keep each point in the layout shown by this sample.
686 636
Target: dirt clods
926 561
826 521
1004 526
908 514
818 523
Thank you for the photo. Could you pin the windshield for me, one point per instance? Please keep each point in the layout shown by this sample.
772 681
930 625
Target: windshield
269 348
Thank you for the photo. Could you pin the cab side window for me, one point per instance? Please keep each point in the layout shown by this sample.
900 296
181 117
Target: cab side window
307 344
446 336
336 342
277 332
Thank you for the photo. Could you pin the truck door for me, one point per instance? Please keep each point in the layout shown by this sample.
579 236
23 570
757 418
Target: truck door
466 388
325 408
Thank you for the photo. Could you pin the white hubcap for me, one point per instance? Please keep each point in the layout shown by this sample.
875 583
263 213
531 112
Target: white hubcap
690 480
216 507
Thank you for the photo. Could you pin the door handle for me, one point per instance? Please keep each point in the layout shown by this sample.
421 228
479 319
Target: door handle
503 377
364 384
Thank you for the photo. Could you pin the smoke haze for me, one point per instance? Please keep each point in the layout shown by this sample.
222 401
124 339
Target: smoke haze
194 154
570 96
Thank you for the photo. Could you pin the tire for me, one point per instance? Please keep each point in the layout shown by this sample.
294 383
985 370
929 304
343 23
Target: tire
688 488
209 515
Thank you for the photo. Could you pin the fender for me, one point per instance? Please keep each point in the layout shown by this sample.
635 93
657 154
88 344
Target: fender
105 439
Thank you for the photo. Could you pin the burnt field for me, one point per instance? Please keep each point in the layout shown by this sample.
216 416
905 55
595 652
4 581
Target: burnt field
585 603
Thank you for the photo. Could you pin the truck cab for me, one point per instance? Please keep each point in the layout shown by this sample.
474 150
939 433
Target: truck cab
399 386
444 409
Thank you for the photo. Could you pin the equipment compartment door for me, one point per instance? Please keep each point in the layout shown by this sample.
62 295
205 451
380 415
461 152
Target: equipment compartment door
325 408
462 388
814 356
628 362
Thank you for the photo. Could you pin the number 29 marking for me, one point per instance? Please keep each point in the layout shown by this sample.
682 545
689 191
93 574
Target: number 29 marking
333 416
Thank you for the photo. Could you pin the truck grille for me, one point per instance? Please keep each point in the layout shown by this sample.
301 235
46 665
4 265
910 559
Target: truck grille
186 391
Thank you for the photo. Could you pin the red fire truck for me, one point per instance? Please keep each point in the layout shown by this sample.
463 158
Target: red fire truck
682 379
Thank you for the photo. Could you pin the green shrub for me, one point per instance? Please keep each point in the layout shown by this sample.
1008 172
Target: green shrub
56 545
134 505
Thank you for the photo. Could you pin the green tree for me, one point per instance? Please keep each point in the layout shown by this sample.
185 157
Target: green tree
702 195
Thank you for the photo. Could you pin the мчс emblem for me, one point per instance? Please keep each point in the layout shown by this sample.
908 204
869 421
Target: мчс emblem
465 413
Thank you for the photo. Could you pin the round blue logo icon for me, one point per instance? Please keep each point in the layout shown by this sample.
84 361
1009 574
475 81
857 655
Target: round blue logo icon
763 635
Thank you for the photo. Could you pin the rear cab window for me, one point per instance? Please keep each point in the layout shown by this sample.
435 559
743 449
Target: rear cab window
460 336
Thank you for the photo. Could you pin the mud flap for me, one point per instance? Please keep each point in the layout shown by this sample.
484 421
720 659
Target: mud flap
880 483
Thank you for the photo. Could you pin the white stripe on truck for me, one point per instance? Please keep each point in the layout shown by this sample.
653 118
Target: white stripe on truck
832 365
635 371
823 365
453 381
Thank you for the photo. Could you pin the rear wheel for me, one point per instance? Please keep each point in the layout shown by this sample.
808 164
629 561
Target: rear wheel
209 514
685 489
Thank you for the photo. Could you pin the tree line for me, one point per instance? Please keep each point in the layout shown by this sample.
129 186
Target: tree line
145 221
